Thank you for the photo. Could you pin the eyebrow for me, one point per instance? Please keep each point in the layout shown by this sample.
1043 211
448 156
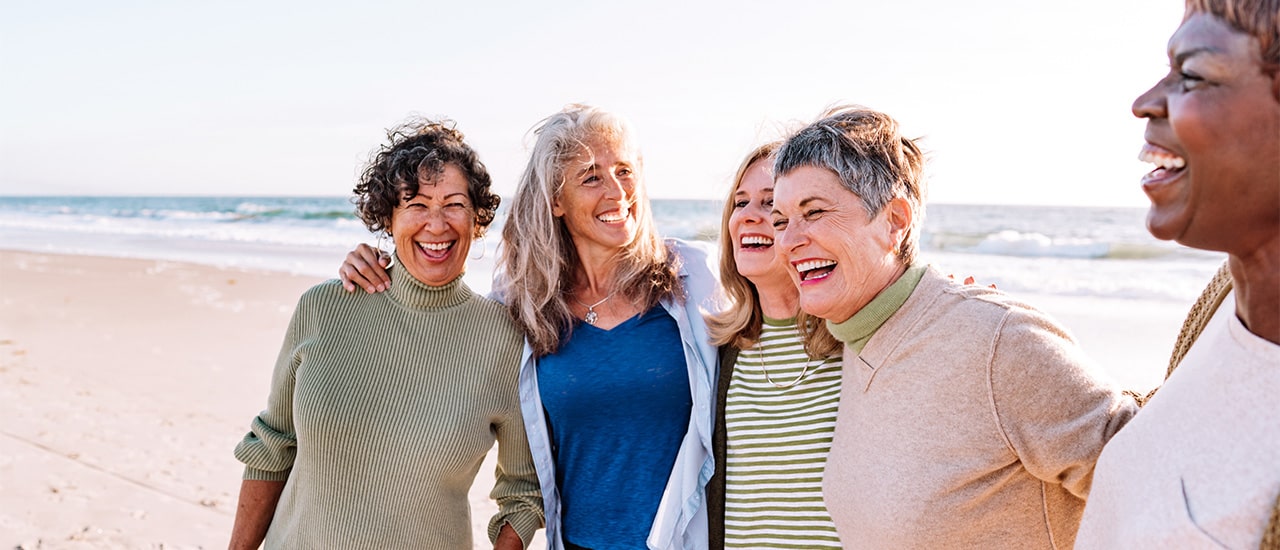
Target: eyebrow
1182 56
420 196
806 202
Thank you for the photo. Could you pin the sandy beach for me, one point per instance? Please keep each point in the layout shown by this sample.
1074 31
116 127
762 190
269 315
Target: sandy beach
125 384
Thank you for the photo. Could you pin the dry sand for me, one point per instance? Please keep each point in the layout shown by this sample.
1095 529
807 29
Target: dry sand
125 385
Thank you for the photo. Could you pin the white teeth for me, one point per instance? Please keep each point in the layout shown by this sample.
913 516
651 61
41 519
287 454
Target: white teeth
436 247
813 264
1167 161
756 239
610 218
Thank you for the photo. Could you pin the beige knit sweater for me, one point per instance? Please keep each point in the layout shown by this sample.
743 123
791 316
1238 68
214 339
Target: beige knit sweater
381 409
969 420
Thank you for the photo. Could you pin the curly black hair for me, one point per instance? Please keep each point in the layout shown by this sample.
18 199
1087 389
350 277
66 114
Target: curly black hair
417 152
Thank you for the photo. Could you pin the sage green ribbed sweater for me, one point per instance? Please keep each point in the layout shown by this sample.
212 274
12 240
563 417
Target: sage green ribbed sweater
382 407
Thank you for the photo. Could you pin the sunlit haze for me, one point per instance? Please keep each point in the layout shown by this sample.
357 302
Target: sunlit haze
1018 102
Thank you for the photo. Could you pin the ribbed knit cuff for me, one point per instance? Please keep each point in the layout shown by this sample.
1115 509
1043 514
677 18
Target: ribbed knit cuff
525 522
265 475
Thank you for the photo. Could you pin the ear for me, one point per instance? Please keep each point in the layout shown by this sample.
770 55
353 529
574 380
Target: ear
556 209
898 216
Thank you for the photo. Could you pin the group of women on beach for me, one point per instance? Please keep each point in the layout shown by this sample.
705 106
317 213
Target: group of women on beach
827 389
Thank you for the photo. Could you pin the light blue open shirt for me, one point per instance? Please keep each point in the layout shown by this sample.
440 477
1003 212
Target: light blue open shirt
681 522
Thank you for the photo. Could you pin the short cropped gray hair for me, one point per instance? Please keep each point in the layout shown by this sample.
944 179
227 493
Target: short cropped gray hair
867 152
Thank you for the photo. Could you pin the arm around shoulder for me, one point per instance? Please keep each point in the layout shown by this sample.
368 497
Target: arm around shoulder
1054 404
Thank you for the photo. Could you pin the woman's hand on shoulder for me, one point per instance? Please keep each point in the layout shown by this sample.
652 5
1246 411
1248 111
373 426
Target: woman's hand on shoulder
968 280
365 266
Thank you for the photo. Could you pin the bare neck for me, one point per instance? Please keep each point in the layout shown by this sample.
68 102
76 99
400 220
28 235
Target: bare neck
1256 279
596 272
779 299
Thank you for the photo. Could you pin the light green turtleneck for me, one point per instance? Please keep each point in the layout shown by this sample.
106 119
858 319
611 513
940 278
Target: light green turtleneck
381 409
857 330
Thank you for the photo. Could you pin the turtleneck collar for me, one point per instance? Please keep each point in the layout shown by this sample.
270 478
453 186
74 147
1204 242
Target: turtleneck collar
414 294
857 330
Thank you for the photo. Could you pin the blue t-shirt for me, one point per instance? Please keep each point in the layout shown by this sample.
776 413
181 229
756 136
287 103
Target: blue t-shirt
618 404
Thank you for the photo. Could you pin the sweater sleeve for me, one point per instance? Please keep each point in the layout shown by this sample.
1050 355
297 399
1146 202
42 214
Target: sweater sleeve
515 485
268 450
1054 406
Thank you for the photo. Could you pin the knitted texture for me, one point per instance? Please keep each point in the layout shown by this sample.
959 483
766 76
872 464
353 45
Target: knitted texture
969 420
381 409
1200 314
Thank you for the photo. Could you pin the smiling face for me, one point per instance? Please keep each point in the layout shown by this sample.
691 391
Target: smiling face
840 258
1213 132
597 201
751 229
433 229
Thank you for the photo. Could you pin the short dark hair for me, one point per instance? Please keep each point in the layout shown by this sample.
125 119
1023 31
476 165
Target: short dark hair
870 156
416 152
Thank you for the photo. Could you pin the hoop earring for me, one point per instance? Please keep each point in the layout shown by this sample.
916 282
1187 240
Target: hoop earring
482 247
385 244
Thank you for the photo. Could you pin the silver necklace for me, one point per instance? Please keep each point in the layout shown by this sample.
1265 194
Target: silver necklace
591 316
764 367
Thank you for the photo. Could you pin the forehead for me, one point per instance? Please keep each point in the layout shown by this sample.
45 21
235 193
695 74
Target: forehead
449 181
810 182
1207 33
603 148
757 178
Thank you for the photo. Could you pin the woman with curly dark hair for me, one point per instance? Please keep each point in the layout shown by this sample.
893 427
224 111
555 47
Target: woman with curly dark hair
382 406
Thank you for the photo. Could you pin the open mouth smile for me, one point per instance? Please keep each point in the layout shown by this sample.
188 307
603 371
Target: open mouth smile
615 216
755 242
437 250
814 270
1169 166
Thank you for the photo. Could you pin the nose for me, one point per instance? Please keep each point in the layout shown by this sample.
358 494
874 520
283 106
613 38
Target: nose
1152 103
617 188
436 220
789 238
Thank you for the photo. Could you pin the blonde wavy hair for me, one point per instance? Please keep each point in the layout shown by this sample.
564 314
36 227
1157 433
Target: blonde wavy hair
538 264
740 322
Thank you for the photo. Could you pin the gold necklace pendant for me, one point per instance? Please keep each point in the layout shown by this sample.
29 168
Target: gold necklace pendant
764 367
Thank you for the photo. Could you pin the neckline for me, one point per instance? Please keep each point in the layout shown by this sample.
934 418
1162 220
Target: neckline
411 293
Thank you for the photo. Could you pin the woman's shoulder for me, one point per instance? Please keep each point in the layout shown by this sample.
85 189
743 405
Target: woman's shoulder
329 291
697 270
940 301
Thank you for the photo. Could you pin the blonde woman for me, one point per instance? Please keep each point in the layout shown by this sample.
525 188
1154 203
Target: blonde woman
776 405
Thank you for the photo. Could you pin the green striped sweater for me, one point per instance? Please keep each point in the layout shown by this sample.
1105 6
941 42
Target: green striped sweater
778 439
381 409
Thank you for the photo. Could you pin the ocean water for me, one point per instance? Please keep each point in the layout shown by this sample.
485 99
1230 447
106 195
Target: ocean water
1066 251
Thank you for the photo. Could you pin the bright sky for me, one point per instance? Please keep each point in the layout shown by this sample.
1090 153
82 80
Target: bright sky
1018 102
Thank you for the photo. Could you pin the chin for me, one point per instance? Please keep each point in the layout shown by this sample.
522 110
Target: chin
1162 227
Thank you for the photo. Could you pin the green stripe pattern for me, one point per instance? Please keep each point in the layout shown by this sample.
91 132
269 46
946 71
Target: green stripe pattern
778 440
